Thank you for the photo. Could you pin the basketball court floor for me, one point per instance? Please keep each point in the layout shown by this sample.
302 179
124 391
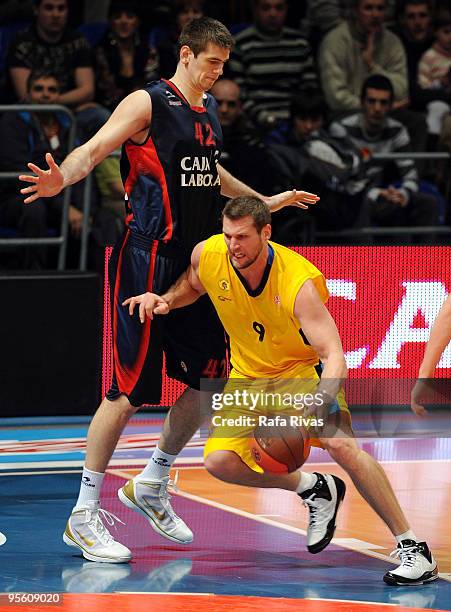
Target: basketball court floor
249 551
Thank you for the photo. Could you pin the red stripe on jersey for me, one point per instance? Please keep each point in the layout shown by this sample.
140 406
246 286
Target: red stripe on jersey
196 109
128 377
118 369
176 89
144 159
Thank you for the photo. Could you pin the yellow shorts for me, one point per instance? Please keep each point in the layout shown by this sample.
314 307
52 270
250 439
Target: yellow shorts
237 409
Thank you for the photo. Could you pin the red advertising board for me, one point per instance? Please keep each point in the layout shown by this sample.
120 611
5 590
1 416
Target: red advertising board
384 301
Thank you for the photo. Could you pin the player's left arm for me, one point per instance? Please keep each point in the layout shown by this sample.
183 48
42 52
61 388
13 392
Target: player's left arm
320 330
231 187
185 291
188 287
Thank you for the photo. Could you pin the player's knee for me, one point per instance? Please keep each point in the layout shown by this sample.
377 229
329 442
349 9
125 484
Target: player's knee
222 464
122 407
344 450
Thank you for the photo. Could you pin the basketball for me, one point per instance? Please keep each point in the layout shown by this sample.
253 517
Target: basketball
280 449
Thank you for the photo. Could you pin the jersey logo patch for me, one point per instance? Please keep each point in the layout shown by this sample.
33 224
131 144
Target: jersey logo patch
173 99
277 300
224 284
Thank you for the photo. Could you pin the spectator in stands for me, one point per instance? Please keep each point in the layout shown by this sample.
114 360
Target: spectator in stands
167 53
49 45
243 152
434 71
270 62
124 62
414 28
333 165
357 48
324 15
392 196
28 136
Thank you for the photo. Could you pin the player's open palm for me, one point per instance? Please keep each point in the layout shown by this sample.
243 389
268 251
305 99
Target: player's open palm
45 184
295 197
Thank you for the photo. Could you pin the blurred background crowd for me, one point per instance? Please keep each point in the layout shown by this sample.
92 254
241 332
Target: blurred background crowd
350 99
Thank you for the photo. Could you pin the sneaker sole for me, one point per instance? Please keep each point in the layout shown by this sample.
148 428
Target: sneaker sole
393 580
321 545
131 504
89 556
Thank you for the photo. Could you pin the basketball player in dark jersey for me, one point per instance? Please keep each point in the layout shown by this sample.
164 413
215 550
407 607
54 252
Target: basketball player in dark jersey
171 141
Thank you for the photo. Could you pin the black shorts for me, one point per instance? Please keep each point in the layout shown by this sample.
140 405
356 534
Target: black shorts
192 337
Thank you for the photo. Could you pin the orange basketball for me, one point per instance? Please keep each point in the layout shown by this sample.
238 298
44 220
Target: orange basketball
280 449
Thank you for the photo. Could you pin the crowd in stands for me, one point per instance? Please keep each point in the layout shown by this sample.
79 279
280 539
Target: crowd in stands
314 92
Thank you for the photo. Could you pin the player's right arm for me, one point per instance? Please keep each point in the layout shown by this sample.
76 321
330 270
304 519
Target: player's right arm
319 327
131 119
438 341
185 291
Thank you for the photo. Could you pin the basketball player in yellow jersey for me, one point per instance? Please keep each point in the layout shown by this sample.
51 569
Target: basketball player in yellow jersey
271 303
259 318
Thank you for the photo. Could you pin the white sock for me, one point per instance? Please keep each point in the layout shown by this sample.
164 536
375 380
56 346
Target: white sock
408 535
308 481
158 467
91 483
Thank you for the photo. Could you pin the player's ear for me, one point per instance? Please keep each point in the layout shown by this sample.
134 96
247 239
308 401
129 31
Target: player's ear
266 231
185 53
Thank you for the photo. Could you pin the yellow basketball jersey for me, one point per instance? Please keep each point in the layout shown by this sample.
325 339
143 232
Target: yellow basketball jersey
266 339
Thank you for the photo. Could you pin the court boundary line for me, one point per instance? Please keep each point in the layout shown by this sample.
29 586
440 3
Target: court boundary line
360 601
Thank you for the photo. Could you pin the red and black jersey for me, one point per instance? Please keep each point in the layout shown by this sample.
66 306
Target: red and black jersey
172 186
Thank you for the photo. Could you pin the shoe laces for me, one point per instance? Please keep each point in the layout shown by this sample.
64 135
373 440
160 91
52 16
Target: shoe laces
407 554
316 510
95 521
165 495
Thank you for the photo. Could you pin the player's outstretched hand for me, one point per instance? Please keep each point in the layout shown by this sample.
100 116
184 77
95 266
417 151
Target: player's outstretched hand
45 184
301 199
149 304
